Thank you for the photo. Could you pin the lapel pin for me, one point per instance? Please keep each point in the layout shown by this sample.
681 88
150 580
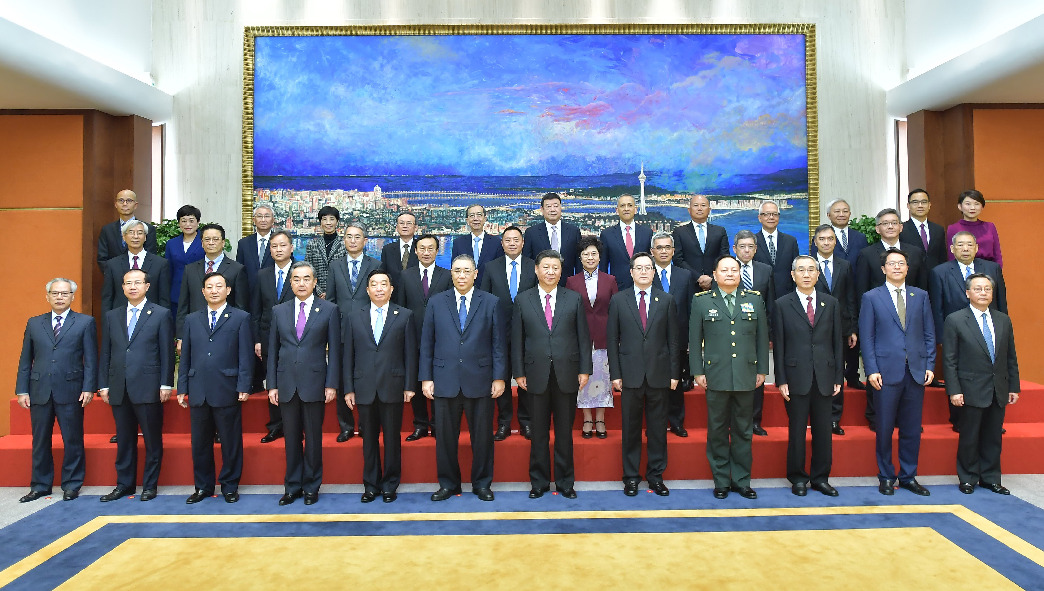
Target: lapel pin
656 299
316 309
226 314
148 312
822 304
395 312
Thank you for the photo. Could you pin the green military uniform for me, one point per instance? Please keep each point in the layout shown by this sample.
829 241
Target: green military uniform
730 350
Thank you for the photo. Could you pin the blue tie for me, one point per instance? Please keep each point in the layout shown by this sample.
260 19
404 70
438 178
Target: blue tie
477 248
513 283
663 281
826 273
463 313
967 272
702 237
279 285
213 320
988 335
133 322
378 326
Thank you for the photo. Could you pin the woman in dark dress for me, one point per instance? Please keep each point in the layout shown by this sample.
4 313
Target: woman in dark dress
183 249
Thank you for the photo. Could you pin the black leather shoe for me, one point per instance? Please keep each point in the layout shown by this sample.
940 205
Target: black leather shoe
660 488
389 497
955 428
71 494
33 495
799 489
417 434
966 488
231 497
147 494
759 431
197 496
311 498
289 498
112 439
527 431
502 433
856 385
536 493
994 488
631 488
569 493
886 488
745 491
368 496
345 436
272 436
721 493
484 494
915 488
117 493
872 426
444 493
679 431
836 429
825 488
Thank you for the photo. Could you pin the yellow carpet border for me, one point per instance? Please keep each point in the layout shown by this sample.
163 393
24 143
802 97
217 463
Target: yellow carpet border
1012 541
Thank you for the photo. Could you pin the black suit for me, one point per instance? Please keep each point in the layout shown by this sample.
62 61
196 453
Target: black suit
246 255
537 240
491 249
495 281
158 270
868 274
809 361
615 260
551 360
409 293
215 366
646 358
133 370
938 251
689 255
379 374
682 286
263 297
191 297
54 371
842 287
786 252
391 258
111 244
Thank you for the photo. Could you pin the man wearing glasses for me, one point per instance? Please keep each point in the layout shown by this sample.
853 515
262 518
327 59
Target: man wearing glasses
775 249
398 255
681 285
477 244
110 240
214 260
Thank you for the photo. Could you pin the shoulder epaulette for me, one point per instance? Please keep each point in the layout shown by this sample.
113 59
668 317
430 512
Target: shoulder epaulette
702 293
753 291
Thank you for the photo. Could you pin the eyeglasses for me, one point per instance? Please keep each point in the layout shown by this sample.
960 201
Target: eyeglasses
642 267
664 247
770 214
889 224
919 202
126 201
138 283
461 271
895 264
986 289
60 294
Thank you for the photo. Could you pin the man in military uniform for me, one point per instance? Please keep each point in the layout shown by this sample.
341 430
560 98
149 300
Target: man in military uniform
728 354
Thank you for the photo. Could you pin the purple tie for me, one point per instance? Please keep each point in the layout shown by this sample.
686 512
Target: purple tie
424 283
301 319
810 311
57 326
547 310
642 311
924 237
210 266
135 265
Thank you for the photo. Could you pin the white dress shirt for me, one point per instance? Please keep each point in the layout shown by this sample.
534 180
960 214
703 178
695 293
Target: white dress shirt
373 316
507 269
431 272
307 309
989 322
591 283
141 259
895 300
543 298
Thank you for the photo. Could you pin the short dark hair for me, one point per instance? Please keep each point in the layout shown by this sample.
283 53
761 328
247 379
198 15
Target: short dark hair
822 228
191 210
967 282
376 272
142 271
417 240
549 197
213 227
589 240
328 210
884 255
550 254
409 213
639 255
718 260
973 195
513 228
281 233
884 212
300 265
214 274
916 191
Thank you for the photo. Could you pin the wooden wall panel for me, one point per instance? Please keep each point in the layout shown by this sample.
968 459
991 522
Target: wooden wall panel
41 161
1009 152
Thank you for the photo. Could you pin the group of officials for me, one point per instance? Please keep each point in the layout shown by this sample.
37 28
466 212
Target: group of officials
375 334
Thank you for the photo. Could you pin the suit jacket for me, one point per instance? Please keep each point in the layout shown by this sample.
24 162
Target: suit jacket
947 292
808 353
537 240
191 297
868 269
155 266
597 314
638 355
380 371
687 253
786 252
967 366
856 243
310 365
480 349
762 281
316 255
111 244
391 258
491 249
682 287
730 350
495 281
938 249
409 293
61 368
135 368
886 347
339 285
843 289
177 257
263 299
567 344
615 259
246 255
216 366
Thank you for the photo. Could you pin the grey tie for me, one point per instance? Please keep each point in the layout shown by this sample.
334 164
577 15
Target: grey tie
355 275
701 236
555 243
772 249
844 240
900 304
378 326
261 250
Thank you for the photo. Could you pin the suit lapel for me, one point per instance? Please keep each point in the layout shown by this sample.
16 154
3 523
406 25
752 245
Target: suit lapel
49 323
973 325
719 302
798 308
143 315
220 319
471 309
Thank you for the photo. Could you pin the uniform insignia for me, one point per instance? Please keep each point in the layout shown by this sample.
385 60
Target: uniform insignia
701 293
753 291
822 303
712 313
747 307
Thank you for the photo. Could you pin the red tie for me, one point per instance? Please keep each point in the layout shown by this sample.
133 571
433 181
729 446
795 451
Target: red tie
629 241
135 265
810 311
642 312
210 266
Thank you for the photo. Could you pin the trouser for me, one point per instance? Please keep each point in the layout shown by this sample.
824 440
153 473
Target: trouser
74 463
730 429
809 408
303 441
227 422
504 410
562 407
652 403
899 405
479 413
374 419
130 418
979 444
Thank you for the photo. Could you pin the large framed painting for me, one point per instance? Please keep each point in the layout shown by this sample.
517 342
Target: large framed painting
375 120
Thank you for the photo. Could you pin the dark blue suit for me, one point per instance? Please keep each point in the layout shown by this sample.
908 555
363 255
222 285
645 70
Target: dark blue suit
177 257
215 366
53 372
537 240
246 255
682 287
947 292
901 357
615 259
856 243
491 249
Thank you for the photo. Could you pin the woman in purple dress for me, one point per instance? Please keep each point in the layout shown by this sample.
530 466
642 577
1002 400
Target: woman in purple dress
183 249
971 203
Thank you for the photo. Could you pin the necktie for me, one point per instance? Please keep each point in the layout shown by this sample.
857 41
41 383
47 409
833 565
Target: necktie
728 303
476 247
663 281
701 236
405 255
213 320
301 319
844 240
900 304
547 310
555 244
378 326
643 312
279 285
810 311
133 322
513 282
826 273
924 237
355 275
57 326
135 265
748 283
261 244
424 283
967 272
628 241
988 335
210 266
772 249
462 313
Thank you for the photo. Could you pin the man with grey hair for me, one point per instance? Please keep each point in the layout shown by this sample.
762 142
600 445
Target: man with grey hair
775 248
57 373
622 240
252 251
681 285
110 239
155 266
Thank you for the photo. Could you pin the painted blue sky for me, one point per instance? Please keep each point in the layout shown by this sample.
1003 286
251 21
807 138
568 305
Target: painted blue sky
529 105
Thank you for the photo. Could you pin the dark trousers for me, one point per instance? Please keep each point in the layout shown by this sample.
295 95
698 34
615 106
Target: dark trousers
479 413
676 402
758 404
275 415
837 405
504 410
74 462
130 418
227 422
899 405
652 402
809 408
543 406
979 444
422 419
851 363
374 419
303 439
345 419
730 429
955 413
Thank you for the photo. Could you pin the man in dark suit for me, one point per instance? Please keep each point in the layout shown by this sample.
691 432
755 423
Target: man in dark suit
272 288
835 278
930 236
506 277
554 234
192 297
465 324
57 373
698 245
217 366
850 242
680 284
135 378
756 277
416 286
399 255
550 345
110 239
622 241
304 366
776 249
136 257
809 366
982 377
728 353
642 338
380 370
895 324
253 251
478 244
